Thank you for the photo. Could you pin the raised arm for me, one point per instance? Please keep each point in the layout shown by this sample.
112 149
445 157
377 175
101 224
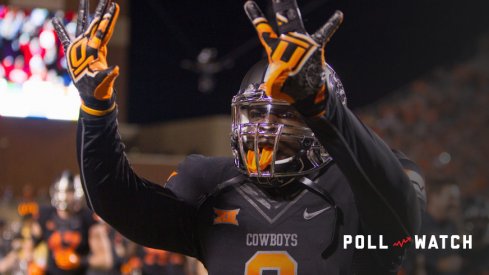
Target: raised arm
144 212
385 198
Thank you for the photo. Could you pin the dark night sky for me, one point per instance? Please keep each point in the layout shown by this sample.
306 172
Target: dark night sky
382 45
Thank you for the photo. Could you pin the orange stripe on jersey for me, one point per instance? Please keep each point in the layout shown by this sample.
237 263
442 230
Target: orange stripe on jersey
174 173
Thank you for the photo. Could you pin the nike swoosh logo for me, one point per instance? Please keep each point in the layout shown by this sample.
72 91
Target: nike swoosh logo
308 216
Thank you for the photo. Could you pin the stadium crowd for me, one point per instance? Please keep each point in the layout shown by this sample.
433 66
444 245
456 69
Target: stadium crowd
441 121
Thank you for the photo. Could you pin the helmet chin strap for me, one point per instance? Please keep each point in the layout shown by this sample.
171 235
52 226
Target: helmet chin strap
284 161
292 163
278 182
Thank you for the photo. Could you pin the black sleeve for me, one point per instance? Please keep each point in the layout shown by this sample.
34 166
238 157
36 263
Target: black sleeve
416 178
385 198
142 211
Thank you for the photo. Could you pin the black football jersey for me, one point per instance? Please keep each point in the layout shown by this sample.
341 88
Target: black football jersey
242 228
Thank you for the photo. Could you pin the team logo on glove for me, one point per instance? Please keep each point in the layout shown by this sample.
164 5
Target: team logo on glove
297 68
290 50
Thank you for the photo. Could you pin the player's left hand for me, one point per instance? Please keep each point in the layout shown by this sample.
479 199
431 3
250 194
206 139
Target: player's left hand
297 68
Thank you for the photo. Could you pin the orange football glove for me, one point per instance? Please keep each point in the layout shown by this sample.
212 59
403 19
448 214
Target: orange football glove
297 68
87 56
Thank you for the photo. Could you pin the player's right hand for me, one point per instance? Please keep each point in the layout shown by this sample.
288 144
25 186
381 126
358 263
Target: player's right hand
86 56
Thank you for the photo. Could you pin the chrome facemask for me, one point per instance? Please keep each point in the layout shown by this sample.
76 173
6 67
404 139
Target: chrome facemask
270 139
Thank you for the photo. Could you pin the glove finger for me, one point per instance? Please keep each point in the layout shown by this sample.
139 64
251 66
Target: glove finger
253 11
63 35
265 31
113 14
102 5
325 33
101 32
82 18
91 31
288 16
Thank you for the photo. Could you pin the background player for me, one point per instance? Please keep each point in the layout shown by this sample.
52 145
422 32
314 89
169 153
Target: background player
75 240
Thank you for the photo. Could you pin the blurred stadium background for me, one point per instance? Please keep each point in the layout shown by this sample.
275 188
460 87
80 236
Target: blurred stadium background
417 72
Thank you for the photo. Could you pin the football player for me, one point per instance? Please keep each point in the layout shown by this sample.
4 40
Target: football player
306 172
75 240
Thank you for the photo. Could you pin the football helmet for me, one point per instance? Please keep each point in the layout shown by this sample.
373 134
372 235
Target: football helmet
269 138
67 192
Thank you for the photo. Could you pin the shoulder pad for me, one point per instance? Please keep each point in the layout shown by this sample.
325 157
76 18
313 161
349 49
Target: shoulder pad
197 176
